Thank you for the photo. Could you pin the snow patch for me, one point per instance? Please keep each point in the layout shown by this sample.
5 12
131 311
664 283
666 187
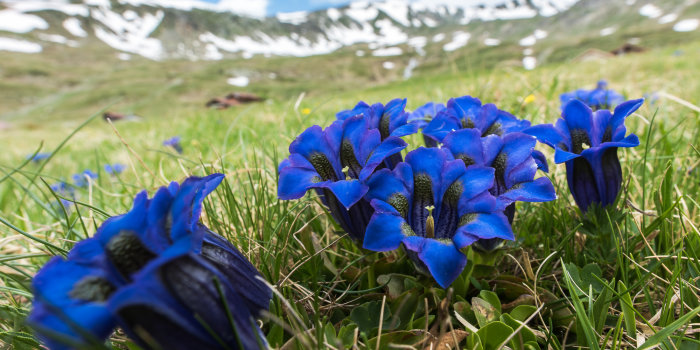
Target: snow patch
607 31
238 81
15 45
333 14
686 25
528 41
295 18
418 43
211 53
388 51
396 10
18 22
130 35
529 62
124 56
438 37
408 71
668 18
359 53
540 34
650 11
267 45
41 5
459 39
58 39
74 27
388 65
492 42
361 13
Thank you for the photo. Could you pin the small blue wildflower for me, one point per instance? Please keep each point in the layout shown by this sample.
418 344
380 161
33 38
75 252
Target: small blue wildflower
81 179
158 274
423 115
36 158
114 169
336 162
511 157
174 142
434 207
599 98
64 190
587 143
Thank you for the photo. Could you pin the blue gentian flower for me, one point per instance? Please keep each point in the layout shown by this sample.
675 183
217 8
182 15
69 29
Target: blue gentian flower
158 274
114 169
587 142
434 207
599 98
36 158
81 179
390 119
174 142
467 112
511 157
336 163
423 115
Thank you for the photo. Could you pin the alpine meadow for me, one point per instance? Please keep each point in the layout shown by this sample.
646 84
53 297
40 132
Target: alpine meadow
390 174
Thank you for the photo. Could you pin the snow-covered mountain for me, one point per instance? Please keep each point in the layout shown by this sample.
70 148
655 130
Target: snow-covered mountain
162 29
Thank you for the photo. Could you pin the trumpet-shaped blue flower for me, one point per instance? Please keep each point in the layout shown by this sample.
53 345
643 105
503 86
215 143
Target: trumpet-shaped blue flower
511 157
599 98
390 119
467 112
434 206
156 272
587 142
174 142
82 179
64 190
423 115
336 162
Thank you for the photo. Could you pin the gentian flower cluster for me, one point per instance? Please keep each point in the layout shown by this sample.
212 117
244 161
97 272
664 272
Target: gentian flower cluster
438 201
164 278
37 158
599 98
64 190
587 142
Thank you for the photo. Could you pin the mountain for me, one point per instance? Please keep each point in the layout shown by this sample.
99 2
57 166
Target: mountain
195 30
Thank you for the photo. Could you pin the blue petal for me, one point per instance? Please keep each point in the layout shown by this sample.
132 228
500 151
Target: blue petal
406 129
390 146
465 143
561 156
384 184
294 182
547 134
582 183
187 205
539 190
625 109
486 226
517 148
541 160
441 125
348 192
444 261
484 202
386 229
578 116
465 106
476 179
492 145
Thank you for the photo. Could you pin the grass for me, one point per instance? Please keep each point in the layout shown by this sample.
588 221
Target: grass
617 278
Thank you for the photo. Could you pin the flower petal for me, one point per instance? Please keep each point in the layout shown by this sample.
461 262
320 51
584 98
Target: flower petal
294 182
390 146
348 192
444 261
541 160
465 144
489 225
539 190
386 229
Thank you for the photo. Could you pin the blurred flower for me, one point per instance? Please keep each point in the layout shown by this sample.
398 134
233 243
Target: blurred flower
64 190
36 158
423 115
389 119
82 179
336 162
511 157
599 98
434 206
529 99
114 169
157 273
174 142
306 111
587 142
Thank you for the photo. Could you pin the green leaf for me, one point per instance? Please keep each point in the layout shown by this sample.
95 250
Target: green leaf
601 307
524 335
664 333
484 311
491 298
366 316
493 334
627 310
522 312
